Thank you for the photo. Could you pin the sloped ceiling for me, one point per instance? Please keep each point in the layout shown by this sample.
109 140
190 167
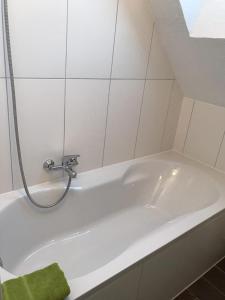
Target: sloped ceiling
199 64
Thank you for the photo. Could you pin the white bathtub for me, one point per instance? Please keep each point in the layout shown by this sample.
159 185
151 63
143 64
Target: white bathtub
132 216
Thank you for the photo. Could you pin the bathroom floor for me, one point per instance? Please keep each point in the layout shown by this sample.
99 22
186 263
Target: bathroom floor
210 287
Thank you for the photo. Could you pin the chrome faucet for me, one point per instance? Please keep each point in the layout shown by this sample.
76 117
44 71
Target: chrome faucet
68 162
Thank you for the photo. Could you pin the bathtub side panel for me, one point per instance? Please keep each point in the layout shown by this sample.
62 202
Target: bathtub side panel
168 272
124 287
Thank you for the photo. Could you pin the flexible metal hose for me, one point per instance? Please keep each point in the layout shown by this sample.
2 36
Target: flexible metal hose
12 83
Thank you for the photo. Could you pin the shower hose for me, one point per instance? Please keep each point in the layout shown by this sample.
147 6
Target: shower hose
15 119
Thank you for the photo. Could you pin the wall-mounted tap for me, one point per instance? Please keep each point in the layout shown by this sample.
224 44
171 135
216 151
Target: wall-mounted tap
68 162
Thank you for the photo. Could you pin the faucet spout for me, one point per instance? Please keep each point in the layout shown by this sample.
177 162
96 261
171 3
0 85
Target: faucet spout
70 172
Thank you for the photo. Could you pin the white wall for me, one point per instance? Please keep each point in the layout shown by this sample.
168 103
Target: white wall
93 81
201 132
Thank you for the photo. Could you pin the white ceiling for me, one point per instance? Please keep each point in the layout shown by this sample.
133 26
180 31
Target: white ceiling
199 64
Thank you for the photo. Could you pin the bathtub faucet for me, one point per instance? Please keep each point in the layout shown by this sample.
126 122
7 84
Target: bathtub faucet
68 162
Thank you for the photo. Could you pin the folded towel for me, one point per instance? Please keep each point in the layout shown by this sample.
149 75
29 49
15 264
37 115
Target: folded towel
46 284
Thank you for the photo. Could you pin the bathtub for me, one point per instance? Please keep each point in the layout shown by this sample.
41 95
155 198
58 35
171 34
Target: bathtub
138 230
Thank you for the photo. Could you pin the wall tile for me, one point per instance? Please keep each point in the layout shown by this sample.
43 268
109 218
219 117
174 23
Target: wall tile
133 37
38 39
123 117
220 164
153 116
38 35
183 124
90 38
206 132
2 70
172 118
40 104
86 107
5 160
159 65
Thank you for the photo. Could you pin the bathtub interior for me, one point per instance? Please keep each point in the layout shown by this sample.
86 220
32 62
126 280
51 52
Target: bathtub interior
173 188
101 221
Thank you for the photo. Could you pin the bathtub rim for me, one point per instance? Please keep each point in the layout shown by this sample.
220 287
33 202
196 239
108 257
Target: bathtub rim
59 183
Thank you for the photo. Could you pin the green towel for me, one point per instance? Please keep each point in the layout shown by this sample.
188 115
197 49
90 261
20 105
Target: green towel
46 284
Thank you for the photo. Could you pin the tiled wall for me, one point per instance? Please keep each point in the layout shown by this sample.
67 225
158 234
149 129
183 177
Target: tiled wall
201 132
91 78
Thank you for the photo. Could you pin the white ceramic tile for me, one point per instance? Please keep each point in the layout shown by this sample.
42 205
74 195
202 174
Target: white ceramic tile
220 164
133 37
159 65
86 107
153 116
40 104
5 160
38 35
2 70
206 132
90 38
124 111
183 124
123 288
172 117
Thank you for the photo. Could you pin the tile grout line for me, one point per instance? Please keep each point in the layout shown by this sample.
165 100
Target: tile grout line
189 125
110 83
220 149
65 79
139 281
198 278
192 294
190 285
90 78
214 286
143 93
220 269
167 114
7 99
